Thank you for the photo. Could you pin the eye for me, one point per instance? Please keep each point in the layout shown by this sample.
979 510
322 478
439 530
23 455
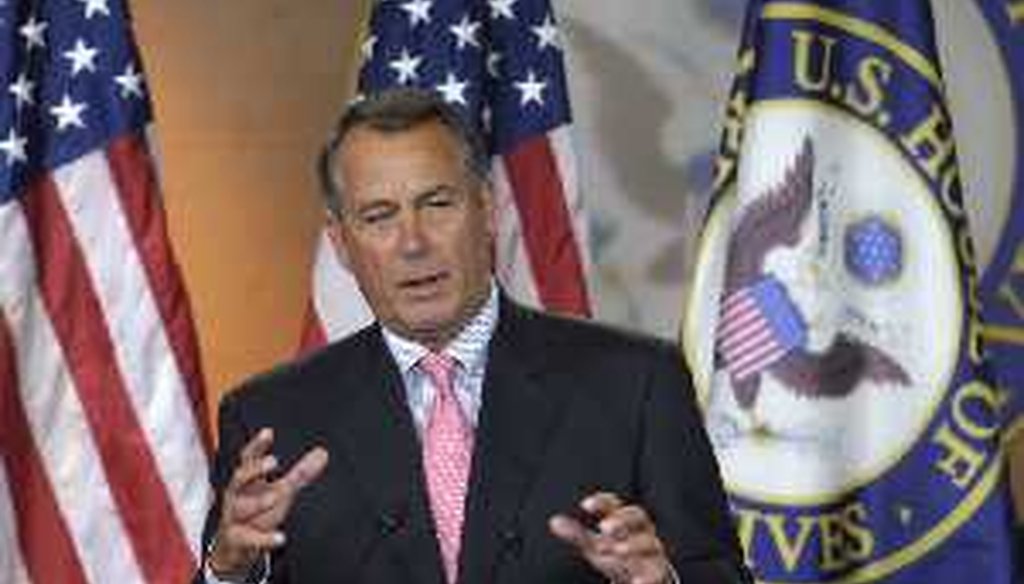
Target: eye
439 198
376 214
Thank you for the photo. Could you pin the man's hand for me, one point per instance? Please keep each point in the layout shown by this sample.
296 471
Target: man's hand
623 545
253 506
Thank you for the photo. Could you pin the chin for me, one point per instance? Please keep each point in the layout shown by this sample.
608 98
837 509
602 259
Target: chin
429 322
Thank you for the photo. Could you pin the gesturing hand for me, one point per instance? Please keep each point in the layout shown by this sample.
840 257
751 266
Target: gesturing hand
253 506
624 546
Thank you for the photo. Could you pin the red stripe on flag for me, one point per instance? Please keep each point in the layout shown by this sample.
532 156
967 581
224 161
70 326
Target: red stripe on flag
160 546
313 334
547 227
43 537
138 191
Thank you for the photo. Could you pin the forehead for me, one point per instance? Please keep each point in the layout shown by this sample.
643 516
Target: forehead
372 162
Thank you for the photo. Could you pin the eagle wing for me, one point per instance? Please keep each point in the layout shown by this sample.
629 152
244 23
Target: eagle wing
773 220
837 371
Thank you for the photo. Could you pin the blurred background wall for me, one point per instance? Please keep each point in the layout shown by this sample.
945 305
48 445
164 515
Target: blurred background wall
244 93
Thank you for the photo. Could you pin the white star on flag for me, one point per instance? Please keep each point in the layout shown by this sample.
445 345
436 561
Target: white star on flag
532 89
33 32
94 7
453 90
68 113
419 11
130 82
22 90
502 9
14 148
405 66
465 32
547 34
82 57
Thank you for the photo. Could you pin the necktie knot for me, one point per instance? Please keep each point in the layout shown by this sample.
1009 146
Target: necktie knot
439 368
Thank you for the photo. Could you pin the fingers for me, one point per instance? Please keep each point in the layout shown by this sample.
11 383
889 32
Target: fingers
254 505
253 462
623 545
306 470
601 504
573 532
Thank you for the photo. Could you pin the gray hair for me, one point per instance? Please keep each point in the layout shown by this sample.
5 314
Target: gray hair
398 110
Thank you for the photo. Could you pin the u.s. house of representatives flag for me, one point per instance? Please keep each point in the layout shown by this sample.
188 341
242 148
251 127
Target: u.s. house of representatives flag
500 62
102 423
834 328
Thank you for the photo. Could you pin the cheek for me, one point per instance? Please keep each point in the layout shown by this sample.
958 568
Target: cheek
369 265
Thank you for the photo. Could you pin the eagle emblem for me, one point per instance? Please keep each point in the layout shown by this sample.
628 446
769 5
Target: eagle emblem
762 331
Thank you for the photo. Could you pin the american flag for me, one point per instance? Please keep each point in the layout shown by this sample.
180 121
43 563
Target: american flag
759 325
103 430
500 62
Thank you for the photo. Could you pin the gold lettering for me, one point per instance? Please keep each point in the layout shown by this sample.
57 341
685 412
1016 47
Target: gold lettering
746 522
861 543
866 96
790 550
1009 293
961 461
833 542
1016 11
844 537
806 79
988 397
931 143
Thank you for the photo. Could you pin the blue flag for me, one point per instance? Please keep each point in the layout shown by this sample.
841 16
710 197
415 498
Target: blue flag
835 328
1002 281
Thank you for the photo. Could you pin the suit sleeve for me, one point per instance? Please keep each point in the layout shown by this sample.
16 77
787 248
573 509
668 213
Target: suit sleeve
679 481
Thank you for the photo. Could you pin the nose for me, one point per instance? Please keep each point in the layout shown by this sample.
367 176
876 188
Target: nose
412 239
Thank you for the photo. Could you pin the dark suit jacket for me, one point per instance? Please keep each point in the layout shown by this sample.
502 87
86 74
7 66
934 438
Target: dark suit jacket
568 408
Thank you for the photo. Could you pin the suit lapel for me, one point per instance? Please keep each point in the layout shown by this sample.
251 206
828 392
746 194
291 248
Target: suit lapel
516 421
378 440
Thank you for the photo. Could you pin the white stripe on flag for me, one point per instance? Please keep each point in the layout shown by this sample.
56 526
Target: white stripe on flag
565 159
144 355
756 357
338 303
512 261
56 418
745 344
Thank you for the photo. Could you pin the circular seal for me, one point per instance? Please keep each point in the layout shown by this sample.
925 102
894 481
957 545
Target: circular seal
833 355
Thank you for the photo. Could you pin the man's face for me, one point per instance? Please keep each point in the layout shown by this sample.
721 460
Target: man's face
416 229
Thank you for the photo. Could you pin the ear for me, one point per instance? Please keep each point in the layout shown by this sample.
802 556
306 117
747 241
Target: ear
335 232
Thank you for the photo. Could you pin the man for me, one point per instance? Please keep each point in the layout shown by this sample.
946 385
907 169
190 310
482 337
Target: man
461 438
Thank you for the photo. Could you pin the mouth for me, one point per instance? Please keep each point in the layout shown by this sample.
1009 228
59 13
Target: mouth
423 284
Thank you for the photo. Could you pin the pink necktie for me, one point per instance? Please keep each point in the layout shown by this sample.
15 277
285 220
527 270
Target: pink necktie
447 452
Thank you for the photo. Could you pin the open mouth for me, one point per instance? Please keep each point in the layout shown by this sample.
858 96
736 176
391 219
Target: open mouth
424 283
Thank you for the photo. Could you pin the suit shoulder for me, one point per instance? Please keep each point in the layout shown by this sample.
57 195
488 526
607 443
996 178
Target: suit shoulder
306 373
586 337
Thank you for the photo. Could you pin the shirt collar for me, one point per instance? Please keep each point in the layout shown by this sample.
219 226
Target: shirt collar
468 348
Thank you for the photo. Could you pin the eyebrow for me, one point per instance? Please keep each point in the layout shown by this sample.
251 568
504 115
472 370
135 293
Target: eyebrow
426 192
